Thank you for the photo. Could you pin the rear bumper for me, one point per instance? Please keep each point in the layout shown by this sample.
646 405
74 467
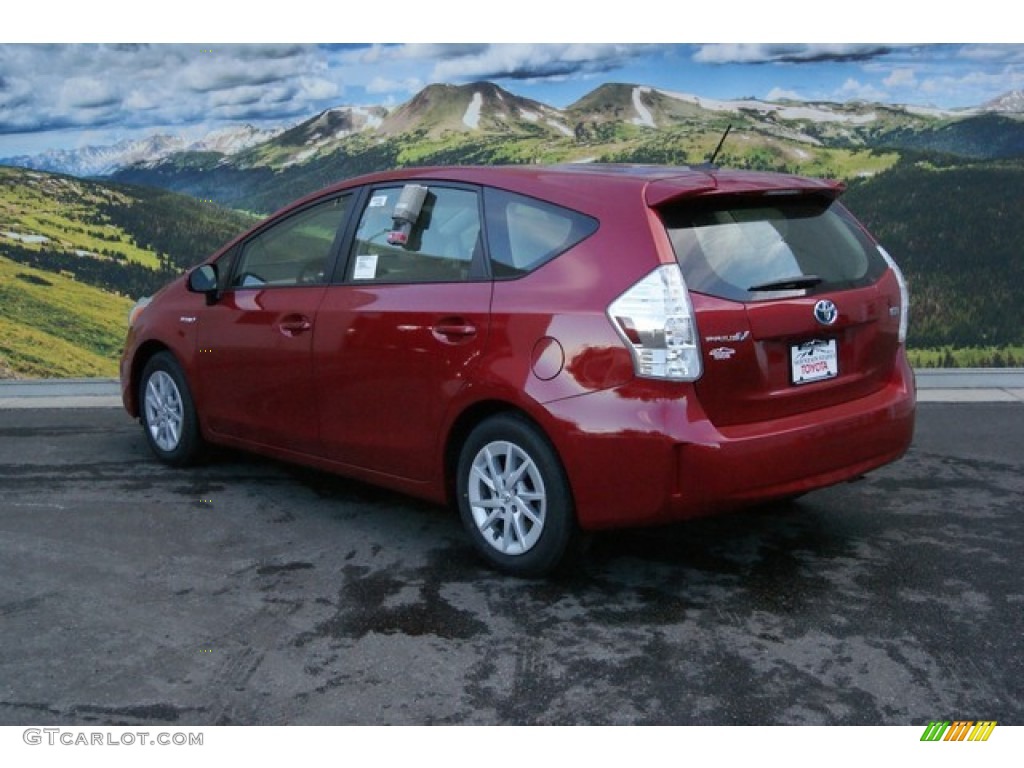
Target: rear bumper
790 456
660 459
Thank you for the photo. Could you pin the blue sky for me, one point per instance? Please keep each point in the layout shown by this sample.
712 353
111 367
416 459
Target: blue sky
74 94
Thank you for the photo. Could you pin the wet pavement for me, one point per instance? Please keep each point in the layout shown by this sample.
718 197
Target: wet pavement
247 591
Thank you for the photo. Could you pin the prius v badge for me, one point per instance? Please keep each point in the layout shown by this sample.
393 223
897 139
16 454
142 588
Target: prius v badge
725 353
732 337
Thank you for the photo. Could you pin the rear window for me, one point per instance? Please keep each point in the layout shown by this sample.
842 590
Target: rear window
749 250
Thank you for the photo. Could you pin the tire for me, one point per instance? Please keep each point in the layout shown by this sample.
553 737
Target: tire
514 498
168 413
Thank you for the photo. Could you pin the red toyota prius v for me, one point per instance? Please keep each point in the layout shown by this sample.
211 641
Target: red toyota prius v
551 350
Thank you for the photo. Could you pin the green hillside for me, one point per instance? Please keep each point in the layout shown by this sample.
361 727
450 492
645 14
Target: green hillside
54 326
957 231
73 256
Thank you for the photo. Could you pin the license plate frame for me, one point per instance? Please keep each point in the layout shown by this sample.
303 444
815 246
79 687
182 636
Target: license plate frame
813 361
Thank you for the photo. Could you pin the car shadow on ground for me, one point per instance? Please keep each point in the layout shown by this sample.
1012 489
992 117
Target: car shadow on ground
766 544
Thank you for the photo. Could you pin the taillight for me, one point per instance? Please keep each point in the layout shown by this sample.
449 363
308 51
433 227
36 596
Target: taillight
655 318
904 294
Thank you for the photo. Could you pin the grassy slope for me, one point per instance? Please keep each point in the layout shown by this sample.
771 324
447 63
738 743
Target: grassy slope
64 210
1007 356
51 325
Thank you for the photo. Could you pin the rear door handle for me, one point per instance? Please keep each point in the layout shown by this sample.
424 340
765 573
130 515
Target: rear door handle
454 329
292 325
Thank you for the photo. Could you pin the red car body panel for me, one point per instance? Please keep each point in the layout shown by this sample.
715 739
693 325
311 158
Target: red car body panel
389 360
378 381
254 372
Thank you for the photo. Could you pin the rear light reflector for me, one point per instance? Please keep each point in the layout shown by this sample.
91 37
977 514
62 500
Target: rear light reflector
904 294
655 318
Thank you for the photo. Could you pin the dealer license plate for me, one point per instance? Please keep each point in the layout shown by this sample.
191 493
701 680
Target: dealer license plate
814 361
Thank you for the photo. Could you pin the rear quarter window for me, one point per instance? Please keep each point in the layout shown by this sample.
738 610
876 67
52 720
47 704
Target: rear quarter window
727 248
523 232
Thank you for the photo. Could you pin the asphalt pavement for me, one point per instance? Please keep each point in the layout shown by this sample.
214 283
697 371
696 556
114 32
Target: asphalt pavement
936 385
246 591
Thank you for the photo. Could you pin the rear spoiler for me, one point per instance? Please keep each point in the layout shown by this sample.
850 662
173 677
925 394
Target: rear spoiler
663 191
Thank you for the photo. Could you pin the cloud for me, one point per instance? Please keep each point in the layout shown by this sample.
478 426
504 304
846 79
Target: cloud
1009 54
318 88
15 92
392 85
901 78
217 71
139 101
778 94
47 86
854 90
87 93
246 94
974 87
533 62
758 53
379 53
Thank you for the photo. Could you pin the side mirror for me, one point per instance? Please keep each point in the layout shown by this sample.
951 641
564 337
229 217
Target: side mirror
204 280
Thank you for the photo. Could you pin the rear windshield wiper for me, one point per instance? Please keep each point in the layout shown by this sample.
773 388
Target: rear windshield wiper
788 283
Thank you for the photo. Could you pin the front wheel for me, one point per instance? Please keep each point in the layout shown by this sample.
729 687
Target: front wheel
514 498
168 413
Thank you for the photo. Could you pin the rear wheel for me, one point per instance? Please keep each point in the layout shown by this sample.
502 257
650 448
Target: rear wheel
514 498
168 413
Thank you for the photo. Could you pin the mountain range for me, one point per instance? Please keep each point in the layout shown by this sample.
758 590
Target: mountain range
107 159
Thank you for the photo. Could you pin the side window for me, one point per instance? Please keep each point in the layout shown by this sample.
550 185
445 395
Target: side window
440 244
294 251
524 233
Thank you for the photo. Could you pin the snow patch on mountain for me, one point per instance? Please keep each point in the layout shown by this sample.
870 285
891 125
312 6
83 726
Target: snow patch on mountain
232 139
472 117
810 112
562 127
302 156
816 115
715 105
934 111
644 116
32 239
373 120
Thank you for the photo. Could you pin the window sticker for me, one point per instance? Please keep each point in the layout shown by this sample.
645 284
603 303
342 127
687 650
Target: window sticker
378 201
366 267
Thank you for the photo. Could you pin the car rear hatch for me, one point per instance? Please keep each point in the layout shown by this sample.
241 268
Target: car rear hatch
796 306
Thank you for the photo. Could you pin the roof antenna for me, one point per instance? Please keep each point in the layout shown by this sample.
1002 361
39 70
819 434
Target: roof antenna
714 155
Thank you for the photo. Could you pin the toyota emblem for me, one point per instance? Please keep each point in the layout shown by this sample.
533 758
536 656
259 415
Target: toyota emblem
825 312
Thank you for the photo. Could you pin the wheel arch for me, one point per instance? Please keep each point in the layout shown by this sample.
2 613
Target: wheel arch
142 356
468 420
